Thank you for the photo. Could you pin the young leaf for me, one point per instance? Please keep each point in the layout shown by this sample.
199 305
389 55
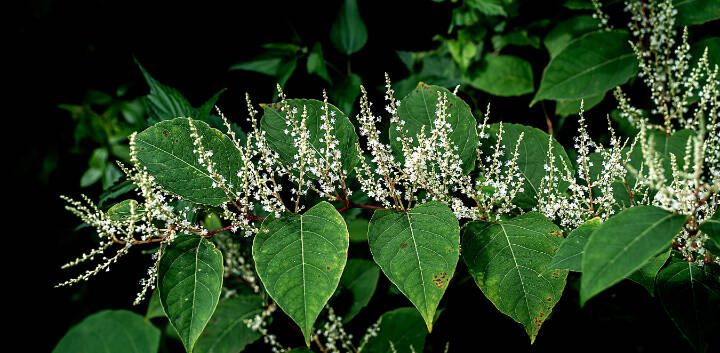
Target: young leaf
695 12
348 33
623 244
164 102
588 66
190 276
357 285
273 124
124 210
401 329
227 331
316 63
532 157
166 151
564 32
418 251
570 254
418 108
691 296
510 263
300 258
111 331
503 75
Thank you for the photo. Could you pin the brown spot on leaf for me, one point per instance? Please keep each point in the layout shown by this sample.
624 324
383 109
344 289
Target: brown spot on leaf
327 268
403 245
166 133
556 274
556 233
440 280
548 299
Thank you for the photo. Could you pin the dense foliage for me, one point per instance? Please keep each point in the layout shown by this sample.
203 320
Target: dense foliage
305 205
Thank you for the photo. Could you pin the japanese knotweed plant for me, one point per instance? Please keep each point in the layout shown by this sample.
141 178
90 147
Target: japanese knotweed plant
268 209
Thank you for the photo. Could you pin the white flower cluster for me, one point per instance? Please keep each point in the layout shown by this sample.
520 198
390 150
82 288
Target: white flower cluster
259 325
431 167
589 190
684 96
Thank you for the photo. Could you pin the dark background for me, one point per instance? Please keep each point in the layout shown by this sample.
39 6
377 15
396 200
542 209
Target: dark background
60 49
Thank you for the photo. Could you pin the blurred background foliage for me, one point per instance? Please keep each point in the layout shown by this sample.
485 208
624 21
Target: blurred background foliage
82 90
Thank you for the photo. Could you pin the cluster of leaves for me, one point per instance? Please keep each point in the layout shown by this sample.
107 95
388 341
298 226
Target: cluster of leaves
519 260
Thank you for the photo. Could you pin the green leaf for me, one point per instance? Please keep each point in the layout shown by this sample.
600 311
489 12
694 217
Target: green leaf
569 256
358 229
165 150
488 7
588 66
418 251
273 124
503 75
711 228
346 92
227 331
300 259
190 276
348 33
204 112
266 65
463 49
532 156
164 102
357 285
154 308
418 108
123 210
518 38
572 106
316 63
91 176
111 331
695 12
510 263
564 32
623 244
645 275
400 329
691 297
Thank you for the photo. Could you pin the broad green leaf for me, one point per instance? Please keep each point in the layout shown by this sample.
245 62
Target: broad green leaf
123 210
463 49
400 329
357 286
510 262
418 109
300 259
274 126
418 251
205 110
711 228
588 66
570 254
316 63
348 33
572 106
503 75
166 151
532 157
227 331
645 275
695 12
564 32
623 244
164 102
111 331
691 296
154 308
190 276
435 69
